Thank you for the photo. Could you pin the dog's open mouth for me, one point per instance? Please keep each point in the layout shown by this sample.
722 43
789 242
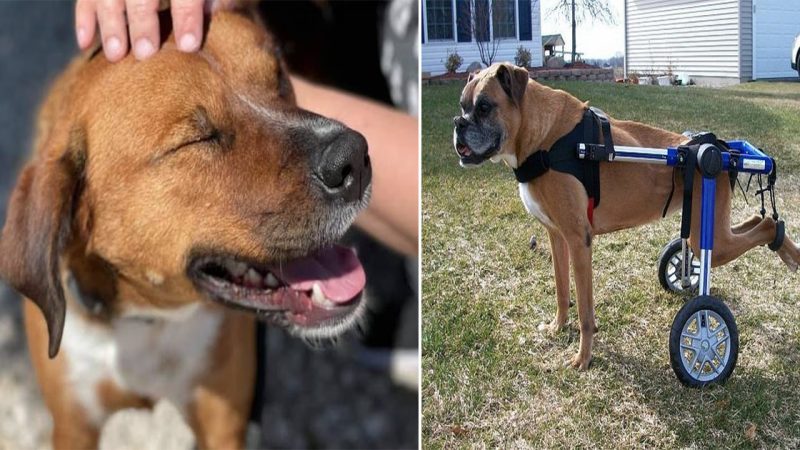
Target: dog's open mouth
313 291
467 156
462 150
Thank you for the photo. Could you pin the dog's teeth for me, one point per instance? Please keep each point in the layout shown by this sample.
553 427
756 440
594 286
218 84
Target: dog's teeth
271 281
236 268
318 297
252 278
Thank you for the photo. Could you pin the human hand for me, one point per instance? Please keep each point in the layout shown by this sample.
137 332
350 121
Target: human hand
142 26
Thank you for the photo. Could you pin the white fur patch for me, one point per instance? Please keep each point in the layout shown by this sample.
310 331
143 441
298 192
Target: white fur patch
161 358
532 206
155 278
154 353
509 159
90 353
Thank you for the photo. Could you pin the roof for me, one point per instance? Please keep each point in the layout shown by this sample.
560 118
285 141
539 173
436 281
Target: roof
552 39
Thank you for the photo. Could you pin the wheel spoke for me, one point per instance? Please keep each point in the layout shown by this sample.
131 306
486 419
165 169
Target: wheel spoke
713 350
694 361
722 327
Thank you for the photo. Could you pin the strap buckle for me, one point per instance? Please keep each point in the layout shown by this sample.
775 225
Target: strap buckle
596 152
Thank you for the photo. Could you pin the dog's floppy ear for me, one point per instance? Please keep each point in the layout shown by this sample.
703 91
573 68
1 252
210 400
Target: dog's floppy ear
472 75
37 228
513 80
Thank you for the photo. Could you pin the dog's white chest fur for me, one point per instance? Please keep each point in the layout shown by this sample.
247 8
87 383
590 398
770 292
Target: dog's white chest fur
532 206
151 353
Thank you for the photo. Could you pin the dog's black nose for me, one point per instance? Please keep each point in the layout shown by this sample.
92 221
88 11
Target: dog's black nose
460 122
343 168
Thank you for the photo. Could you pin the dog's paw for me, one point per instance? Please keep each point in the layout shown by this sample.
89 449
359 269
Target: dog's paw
788 260
579 363
553 327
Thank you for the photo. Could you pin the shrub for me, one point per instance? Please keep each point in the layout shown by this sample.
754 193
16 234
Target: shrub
453 61
523 58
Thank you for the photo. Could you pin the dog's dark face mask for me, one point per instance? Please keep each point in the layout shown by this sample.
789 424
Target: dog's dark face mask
489 108
478 133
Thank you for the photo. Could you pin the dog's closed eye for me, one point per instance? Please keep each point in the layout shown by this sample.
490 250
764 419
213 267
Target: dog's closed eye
193 131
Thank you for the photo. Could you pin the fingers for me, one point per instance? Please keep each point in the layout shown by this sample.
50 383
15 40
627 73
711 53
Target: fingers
218 5
143 27
187 23
111 16
85 22
142 16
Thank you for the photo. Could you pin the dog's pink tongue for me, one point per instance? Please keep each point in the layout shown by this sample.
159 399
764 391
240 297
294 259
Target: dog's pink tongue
337 270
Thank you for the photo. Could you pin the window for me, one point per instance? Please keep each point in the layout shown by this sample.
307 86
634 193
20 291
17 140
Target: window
439 15
504 23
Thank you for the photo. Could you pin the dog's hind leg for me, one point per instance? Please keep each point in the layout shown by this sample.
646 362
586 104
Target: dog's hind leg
732 242
560 253
747 225
789 253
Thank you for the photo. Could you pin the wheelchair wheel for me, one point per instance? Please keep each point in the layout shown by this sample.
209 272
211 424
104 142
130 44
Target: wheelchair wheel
704 342
669 268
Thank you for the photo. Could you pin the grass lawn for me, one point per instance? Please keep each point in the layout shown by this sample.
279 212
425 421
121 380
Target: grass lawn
492 378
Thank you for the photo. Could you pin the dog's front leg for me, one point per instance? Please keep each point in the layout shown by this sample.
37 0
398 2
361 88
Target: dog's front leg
560 253
580 252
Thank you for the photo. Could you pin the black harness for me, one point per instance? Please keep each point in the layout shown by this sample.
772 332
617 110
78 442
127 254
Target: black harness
563 155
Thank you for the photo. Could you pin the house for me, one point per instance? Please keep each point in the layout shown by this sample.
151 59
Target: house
715 42
549 44
458 25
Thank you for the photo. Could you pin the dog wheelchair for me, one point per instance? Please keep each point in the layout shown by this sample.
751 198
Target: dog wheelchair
704 341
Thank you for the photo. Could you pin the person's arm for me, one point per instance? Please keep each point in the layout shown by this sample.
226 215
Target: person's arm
393 213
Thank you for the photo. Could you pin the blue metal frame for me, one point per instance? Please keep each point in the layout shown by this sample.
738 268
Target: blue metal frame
749 159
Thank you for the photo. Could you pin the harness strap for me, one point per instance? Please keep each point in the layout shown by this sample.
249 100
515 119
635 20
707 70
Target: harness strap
669 198
534 166
780 233
688 183
591 169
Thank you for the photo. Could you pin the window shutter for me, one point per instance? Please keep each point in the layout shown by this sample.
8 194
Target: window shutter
525 22
482 17
463 21
422 28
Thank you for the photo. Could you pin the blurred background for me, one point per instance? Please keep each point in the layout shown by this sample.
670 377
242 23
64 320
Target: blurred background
361 392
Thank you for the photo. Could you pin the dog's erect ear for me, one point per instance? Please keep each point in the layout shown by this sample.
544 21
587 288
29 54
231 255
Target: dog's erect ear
37 228
472 75
513 80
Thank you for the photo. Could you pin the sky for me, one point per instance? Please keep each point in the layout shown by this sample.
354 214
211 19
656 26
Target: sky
595 40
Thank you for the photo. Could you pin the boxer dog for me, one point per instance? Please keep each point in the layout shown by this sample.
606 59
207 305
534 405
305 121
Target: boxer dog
506 117
168 203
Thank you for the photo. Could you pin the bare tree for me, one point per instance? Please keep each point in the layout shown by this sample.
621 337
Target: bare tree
482 14
580 10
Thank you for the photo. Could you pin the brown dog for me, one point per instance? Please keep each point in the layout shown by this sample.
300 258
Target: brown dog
159 191
507 117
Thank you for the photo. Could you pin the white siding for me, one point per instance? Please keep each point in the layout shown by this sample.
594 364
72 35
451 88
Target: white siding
434 53
699 37
775 24
746 40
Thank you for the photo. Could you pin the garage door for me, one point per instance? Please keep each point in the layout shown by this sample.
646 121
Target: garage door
775 24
